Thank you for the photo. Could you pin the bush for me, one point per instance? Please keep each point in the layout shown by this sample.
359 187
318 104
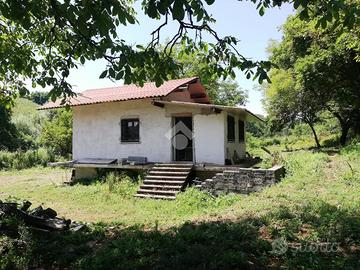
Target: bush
57 133
195 200
28 122
301 130
121 184
20 160
8 132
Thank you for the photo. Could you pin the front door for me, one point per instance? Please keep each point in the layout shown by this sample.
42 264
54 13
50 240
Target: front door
182 138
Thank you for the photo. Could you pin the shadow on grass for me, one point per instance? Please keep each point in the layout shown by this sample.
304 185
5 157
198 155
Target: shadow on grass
331 151
134 175
86 181
244 244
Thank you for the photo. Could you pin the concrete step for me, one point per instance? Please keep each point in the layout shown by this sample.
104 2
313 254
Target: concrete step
166 177
153 196
172 168
147 186
168 173
162 182
161 192
181 165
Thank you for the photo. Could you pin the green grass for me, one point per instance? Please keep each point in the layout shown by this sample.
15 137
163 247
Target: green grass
316 204
96 202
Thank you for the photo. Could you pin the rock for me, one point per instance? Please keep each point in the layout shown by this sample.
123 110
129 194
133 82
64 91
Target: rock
49 213
25 205
76 227
37 211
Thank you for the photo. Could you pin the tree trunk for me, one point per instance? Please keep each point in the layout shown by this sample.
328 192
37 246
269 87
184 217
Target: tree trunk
344 132
345 127
318 145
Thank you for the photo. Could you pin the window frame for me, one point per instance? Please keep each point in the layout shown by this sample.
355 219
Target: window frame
123 133
230 129
241 130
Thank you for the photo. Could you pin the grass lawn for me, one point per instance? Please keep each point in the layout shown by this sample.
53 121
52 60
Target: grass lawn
95 203
314 212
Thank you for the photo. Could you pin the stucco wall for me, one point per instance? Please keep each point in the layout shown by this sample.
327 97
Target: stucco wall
96 130
237 146
209 138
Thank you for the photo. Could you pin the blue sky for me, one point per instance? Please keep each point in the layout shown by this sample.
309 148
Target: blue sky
236 18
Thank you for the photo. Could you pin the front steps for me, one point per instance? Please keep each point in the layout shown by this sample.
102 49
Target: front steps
164 181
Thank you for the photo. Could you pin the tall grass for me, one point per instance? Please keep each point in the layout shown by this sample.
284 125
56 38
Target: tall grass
25 159
121 184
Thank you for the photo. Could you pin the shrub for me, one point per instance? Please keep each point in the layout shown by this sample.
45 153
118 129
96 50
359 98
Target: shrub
28 122
8 132
6 159
301 130
57 133
351 149
195 200
121 184
20 160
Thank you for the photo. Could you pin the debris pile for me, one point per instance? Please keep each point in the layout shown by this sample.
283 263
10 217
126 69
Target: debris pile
37 218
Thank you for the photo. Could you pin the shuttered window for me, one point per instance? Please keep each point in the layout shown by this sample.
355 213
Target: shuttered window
241 131
230 129
130 130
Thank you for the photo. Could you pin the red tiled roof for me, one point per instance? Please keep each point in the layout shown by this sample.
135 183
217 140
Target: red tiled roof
121 93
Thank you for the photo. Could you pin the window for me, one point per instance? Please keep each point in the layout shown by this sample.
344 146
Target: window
241 131
130 130
230 129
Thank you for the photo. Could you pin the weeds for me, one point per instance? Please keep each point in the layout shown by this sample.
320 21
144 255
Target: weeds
21 160
313 206
121 184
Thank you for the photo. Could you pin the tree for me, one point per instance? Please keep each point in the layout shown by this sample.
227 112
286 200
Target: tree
222 92
8 133
42 41
38 97
322 65
288 105
57 132
230 93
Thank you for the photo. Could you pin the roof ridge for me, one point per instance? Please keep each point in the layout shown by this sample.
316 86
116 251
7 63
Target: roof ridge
130 91
134 85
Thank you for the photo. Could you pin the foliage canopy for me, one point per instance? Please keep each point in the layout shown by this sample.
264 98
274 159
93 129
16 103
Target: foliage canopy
318 70
42 41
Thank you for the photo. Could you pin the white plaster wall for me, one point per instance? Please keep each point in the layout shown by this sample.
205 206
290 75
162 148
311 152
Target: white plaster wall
237 146
209 138
96 131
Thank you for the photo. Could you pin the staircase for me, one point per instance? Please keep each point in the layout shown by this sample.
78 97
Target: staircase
164 181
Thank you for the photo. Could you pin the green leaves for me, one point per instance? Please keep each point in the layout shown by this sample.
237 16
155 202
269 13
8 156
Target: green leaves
262 10
40 39
178 10
111 73
152 9
316 72
209 2
103 74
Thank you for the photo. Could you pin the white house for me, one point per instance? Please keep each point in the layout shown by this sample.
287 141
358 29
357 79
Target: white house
170 123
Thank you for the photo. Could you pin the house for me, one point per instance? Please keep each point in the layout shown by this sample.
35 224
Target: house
175 122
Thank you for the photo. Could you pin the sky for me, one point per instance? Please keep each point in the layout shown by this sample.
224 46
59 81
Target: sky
236 18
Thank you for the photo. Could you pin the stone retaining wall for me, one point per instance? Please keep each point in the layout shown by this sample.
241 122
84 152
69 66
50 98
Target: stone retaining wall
242 180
